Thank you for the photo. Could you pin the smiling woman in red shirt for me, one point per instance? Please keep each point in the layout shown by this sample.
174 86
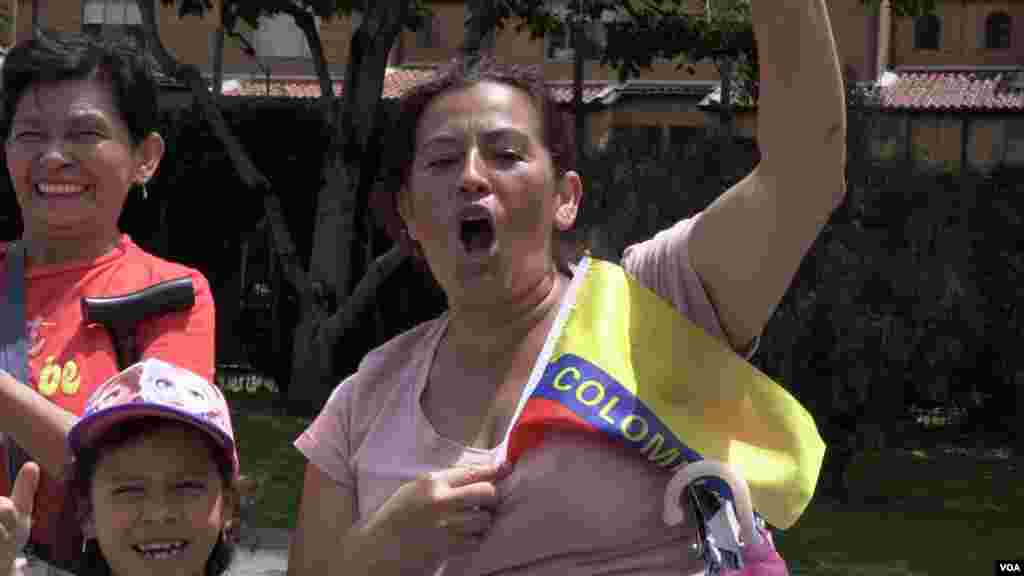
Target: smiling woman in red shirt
81 119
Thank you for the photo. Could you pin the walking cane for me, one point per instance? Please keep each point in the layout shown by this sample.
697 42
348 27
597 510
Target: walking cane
121 315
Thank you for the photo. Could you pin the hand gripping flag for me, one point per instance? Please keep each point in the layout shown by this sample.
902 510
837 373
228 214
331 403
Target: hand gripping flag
623 363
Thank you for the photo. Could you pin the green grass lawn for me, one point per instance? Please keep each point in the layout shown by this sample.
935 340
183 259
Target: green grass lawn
924 514
267 455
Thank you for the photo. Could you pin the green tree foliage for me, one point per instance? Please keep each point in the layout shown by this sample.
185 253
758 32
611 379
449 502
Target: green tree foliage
642 32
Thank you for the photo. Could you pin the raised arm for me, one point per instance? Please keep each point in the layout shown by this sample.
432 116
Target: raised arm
748 244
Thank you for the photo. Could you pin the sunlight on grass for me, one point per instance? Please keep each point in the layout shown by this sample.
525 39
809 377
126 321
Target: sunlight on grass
843 568
267 455
925 513
936 515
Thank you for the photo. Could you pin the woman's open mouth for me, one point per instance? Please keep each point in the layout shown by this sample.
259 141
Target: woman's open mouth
165 550
476 231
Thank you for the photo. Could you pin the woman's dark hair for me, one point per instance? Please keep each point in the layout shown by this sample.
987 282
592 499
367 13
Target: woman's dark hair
557 134
58 56
92 562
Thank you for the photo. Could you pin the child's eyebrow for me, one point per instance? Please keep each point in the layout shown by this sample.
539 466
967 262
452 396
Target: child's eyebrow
125 478
120 478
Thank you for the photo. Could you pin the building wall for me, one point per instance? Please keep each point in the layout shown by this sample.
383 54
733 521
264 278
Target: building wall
851 27
520 48
936 139
448 34
996 139
962 36
335 35
191 40
963 24
65 16
9 10
985 145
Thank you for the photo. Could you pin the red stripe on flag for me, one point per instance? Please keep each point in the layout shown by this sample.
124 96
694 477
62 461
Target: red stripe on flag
539 417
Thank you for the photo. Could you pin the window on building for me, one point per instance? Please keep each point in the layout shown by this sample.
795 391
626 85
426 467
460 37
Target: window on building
927 32
642 141
889 138
1013 128
558 45
280 37
987 141
997 31
113 19
931 140
429 33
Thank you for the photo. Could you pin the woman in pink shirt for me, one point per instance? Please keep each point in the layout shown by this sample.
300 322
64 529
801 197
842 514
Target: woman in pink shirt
403 474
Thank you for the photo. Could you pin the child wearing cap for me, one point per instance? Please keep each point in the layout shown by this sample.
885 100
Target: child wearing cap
154 474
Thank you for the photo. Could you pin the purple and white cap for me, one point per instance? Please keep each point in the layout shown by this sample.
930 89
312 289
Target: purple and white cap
154 388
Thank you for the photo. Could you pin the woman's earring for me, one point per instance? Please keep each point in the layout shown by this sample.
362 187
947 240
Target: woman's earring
145 193
231 533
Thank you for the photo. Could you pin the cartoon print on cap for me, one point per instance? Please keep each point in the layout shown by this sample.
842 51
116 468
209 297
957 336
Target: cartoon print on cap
185 393
123 389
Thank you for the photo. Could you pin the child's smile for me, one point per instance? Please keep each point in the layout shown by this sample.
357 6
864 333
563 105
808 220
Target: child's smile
158 503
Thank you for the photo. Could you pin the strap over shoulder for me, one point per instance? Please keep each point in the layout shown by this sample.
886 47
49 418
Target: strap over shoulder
13 337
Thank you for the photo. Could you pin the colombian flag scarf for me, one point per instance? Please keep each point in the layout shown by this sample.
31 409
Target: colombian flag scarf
622 362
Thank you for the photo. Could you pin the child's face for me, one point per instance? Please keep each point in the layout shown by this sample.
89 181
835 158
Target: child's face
158 504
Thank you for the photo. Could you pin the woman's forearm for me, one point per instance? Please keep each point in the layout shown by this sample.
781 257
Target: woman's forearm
359 557
39 426
801 102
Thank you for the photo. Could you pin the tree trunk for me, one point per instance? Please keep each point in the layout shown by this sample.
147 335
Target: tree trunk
578 59
247 171
726 68
251 176
191 77
350 170
305 22
218 62
38 16
481 22
316 335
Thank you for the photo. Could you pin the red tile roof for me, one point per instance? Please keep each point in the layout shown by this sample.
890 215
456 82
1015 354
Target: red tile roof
562 92
948 91
397 81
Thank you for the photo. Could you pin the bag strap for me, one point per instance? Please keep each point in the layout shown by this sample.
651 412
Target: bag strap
13 338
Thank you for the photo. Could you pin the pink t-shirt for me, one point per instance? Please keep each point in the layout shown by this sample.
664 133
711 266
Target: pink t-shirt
571 507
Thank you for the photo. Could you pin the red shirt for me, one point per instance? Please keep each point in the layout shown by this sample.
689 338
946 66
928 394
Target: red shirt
69 359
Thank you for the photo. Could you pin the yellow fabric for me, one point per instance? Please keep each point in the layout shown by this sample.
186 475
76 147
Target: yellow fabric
623 351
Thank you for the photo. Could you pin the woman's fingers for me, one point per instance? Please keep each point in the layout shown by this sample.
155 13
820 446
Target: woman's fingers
467 523
5 532
465 475
465 530
478 495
